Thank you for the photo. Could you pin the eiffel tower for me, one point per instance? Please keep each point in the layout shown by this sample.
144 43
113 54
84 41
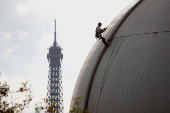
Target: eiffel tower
55 92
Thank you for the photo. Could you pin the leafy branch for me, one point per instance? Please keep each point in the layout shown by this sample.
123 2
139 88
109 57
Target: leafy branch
12 106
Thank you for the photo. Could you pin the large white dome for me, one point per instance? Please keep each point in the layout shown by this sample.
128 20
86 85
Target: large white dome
132 75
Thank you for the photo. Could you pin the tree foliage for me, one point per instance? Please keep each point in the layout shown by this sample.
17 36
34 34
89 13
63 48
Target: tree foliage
76 107
9 105
43 105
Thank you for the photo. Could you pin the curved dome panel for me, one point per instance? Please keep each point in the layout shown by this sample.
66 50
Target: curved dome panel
132 75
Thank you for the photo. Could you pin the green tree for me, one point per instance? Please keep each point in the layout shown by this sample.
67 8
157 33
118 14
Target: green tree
76 107
12 106
43 105
9 105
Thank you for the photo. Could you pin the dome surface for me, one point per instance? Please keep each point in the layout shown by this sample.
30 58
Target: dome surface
132 75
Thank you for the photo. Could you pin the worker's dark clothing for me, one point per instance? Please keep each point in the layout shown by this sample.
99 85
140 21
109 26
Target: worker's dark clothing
98 35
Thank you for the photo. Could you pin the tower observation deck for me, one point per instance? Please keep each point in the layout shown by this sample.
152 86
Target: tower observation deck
54 87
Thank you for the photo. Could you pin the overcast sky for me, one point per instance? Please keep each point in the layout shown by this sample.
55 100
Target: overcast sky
27 31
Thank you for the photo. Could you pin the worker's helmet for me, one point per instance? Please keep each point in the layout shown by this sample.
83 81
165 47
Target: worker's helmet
99 23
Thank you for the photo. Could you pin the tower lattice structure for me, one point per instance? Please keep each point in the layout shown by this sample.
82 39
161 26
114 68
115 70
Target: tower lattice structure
55 92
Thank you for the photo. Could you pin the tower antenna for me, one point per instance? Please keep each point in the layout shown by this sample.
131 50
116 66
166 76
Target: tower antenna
55 42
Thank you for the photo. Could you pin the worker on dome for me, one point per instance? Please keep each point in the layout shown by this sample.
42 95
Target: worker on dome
99 32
